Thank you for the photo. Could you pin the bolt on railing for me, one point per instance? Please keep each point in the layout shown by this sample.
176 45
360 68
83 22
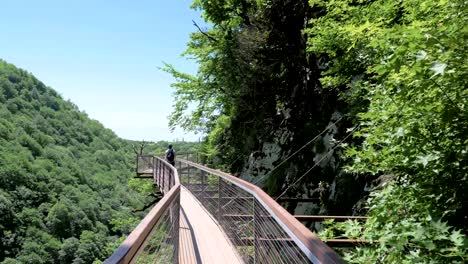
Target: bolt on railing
156 238
259 228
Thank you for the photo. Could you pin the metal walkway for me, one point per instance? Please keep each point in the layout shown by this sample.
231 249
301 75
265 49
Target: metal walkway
201 240
208 216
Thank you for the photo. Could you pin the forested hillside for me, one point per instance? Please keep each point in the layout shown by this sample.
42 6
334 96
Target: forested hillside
63 178
362 104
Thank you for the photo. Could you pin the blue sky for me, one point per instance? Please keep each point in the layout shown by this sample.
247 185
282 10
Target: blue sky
104 56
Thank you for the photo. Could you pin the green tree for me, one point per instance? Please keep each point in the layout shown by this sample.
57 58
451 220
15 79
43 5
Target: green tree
92 246
68 250
39 247
404 62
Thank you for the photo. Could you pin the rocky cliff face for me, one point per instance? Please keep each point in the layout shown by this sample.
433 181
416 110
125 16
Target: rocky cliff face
336 192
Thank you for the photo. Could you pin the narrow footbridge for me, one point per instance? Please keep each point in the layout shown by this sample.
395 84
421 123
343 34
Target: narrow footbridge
208 216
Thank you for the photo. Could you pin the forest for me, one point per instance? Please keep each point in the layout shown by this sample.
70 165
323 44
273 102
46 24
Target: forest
67 193
360 103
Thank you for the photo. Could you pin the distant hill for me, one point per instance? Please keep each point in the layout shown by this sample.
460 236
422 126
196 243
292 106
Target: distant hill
64 195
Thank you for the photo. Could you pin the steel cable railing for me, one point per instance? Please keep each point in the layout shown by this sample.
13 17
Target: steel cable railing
259 228
156 238
144 164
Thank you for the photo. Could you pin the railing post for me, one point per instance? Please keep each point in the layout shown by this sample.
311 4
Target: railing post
202 189
163 178
168 175
255 235
176 225
219 199
169 182
159 174
188 177
154 160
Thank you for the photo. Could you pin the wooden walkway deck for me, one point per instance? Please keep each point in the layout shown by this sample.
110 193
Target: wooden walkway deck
201 239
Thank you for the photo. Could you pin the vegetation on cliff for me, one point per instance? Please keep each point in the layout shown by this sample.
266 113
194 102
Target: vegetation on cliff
258 96
412 61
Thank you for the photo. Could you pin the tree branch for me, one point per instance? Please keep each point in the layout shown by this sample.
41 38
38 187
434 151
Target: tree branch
140 151
204 33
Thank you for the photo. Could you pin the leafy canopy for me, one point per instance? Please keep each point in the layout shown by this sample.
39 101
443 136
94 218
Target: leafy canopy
408 64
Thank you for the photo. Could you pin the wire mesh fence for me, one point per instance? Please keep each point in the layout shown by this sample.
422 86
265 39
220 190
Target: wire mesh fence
162 244
144 164
251 228
156 238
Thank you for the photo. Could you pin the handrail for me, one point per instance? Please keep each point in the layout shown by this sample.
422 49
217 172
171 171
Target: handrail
337 218
314 249
166 176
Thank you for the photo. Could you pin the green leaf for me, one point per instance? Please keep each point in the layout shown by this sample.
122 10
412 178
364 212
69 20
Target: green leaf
457 238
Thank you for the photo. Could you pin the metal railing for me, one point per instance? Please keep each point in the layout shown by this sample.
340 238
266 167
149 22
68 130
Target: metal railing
257 226
156 238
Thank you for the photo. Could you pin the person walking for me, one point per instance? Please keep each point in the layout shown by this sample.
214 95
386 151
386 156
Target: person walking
170 155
